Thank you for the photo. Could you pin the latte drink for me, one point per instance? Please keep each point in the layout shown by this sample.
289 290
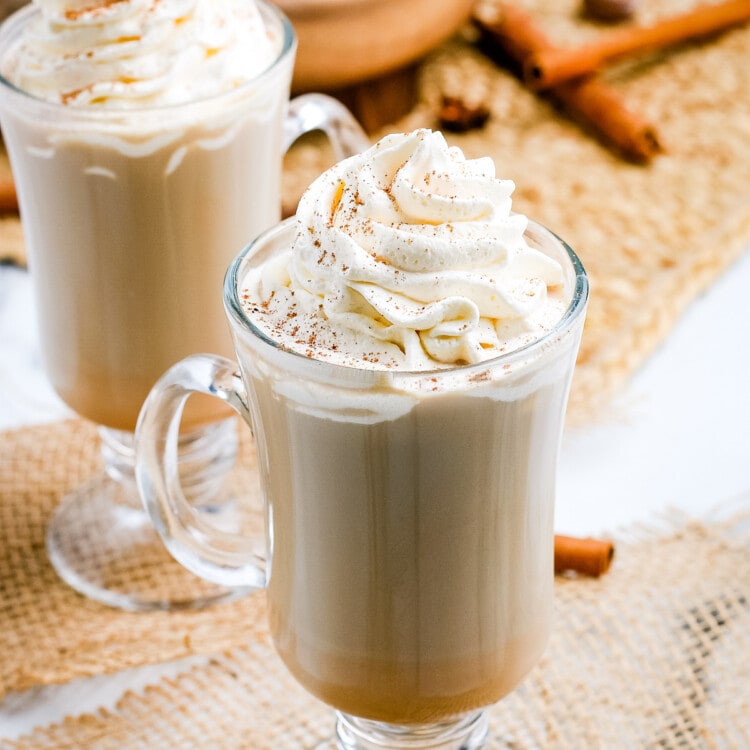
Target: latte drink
407 347
144 162
129 243
412 564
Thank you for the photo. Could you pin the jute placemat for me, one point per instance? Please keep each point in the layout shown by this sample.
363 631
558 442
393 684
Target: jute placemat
651 237
654 655
48 633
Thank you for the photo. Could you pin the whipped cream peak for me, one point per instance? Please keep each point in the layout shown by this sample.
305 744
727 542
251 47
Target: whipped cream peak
408 256
140 53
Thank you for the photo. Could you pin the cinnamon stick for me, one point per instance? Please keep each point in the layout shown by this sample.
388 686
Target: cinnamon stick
549 67
457 116
8 197
591 557
515 37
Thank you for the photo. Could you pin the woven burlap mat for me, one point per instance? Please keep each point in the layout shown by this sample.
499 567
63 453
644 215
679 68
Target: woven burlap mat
651 237
653 655
48 633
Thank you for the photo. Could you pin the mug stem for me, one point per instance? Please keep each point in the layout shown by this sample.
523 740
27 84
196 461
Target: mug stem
100 539
206 455
468 732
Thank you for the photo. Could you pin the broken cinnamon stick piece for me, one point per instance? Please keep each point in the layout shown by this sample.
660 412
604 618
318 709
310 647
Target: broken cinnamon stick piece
550 67
590 557
594 102
516 38
457 116
8 197
609 11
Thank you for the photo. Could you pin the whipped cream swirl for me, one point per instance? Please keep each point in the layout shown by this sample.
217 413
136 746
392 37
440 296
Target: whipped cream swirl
411 254
139 53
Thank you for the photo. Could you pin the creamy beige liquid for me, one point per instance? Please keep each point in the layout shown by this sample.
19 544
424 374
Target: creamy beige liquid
412 557
129 251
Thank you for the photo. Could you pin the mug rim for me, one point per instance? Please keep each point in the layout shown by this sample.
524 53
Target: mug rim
240 321
19 19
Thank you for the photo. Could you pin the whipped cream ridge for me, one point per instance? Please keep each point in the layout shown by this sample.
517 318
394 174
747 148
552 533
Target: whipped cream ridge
407 256
140 53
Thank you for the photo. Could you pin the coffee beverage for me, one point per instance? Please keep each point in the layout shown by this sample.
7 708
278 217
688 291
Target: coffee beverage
405 348
412 565
163 163
130 244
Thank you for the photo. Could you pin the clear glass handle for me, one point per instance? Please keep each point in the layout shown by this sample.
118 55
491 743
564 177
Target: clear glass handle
310 112
219 556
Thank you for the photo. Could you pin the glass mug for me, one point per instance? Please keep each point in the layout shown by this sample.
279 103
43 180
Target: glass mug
408 554
131 217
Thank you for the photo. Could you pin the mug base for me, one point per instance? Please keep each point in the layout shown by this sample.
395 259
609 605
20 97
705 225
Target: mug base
103 545
468 732
102 542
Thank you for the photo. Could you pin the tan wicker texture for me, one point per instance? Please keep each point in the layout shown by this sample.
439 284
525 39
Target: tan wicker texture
651 237
50 634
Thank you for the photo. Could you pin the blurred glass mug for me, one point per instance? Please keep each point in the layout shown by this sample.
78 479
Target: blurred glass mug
409 515
131 217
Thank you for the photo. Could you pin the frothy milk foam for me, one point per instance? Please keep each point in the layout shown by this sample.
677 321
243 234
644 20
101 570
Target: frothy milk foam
412 516
134 207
